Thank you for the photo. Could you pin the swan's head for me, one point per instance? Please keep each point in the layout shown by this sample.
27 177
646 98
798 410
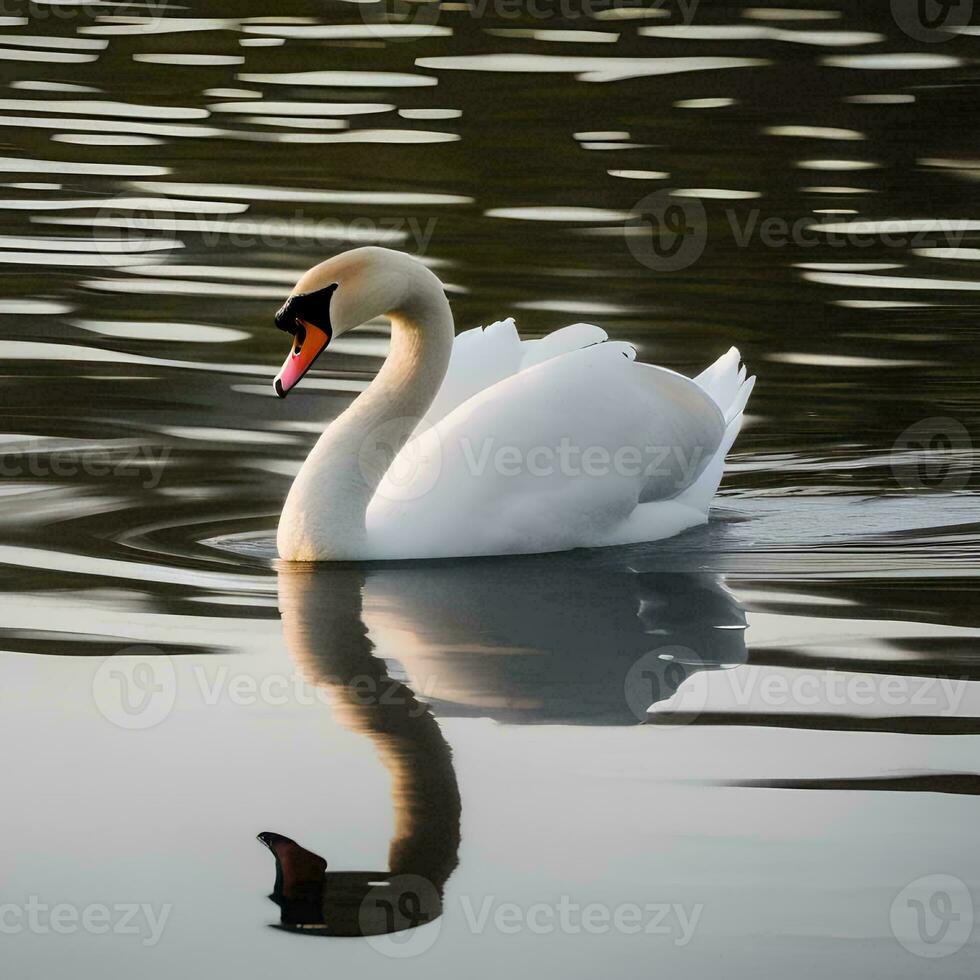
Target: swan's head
336 296
306 316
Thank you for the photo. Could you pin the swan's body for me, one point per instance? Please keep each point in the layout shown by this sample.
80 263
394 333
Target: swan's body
500 446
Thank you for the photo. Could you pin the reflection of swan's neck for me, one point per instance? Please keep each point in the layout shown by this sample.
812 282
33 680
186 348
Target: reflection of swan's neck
324 514
326 637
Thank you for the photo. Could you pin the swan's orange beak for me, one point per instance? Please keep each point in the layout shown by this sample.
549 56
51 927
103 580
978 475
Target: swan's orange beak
309 342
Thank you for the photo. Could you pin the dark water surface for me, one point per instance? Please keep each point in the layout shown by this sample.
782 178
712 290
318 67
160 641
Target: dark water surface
810 656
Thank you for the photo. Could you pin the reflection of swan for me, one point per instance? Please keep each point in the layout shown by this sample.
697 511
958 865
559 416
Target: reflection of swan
515 447
327 639
578 639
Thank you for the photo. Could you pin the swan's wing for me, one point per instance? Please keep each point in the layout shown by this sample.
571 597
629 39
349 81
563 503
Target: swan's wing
480 358
573 337
485 355
548 458
654 518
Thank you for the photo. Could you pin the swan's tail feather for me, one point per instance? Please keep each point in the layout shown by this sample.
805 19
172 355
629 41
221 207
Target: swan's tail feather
728 385
737 407
721 380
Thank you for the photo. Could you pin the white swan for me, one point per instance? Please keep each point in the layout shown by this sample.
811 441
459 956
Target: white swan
484 444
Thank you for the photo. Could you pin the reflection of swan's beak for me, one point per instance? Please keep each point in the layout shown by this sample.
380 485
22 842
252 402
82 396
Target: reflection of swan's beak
300 880
297 869
346 903
309 342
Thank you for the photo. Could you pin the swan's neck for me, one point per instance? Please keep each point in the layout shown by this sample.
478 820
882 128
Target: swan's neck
324 514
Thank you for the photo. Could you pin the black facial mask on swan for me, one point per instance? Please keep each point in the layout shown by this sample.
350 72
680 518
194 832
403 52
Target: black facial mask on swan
306 316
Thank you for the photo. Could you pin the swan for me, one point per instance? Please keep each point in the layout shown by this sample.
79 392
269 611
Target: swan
484 444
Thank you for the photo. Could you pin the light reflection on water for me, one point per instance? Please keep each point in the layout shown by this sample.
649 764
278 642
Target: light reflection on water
167 182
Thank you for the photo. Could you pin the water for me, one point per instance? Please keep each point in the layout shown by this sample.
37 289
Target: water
808 659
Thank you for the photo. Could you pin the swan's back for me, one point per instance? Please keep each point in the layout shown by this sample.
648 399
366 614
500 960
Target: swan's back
558 443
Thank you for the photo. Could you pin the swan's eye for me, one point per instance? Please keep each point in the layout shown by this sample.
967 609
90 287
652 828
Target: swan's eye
313 307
